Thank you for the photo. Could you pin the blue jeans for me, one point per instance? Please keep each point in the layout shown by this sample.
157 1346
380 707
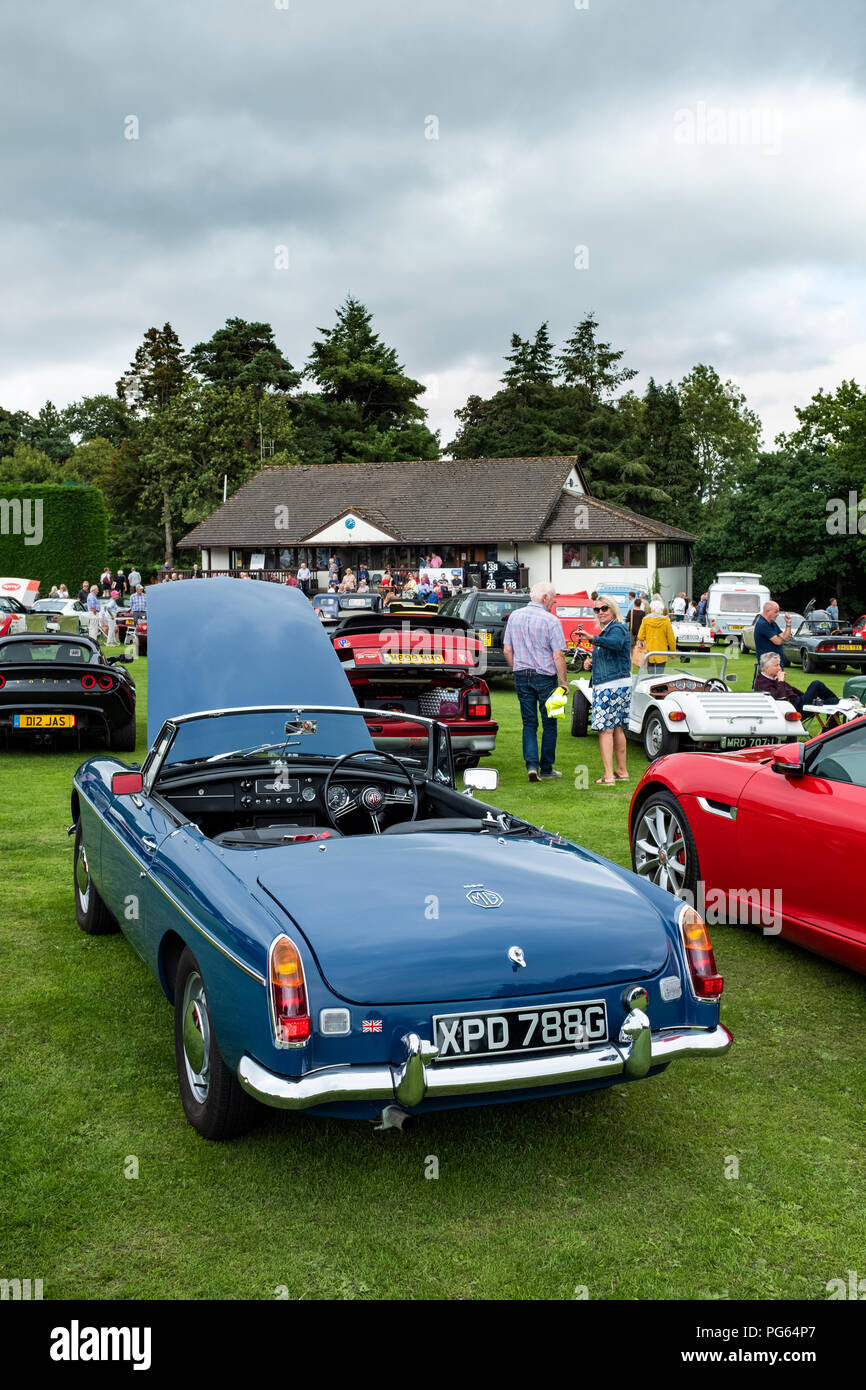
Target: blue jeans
533 689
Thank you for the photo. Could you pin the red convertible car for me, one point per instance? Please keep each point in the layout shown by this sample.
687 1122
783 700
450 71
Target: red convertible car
775 831
420 663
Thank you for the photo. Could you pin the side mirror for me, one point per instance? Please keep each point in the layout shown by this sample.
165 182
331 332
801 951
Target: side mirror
790 760
483 779
126 783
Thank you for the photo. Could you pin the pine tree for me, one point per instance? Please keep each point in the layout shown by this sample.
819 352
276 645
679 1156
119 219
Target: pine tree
366 407
586 362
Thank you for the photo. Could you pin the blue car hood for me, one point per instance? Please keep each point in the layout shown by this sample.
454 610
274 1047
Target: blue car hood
389 920
223 643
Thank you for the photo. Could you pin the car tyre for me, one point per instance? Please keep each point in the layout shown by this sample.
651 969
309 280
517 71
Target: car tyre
213 1099
91 913
579 715
657 739
806 661
663 848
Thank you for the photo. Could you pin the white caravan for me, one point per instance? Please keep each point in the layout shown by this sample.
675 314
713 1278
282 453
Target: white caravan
734 600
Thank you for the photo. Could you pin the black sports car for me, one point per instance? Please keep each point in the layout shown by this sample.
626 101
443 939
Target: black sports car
63 688
820 642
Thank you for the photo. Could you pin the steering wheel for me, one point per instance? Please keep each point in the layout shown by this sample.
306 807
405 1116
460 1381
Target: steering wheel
371 799
716 683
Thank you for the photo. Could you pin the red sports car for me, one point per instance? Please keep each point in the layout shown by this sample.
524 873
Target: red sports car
771 836
859 627
423 664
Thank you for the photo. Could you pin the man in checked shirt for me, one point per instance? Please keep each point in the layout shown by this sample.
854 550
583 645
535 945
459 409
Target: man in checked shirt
534 647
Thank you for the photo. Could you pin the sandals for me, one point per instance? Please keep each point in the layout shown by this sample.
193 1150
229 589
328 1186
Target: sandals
603 782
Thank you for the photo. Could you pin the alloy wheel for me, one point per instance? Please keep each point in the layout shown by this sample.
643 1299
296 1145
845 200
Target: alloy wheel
660 848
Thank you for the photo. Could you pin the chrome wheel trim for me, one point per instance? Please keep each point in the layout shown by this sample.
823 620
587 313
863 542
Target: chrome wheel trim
196 1037
82 878
658 842
654 735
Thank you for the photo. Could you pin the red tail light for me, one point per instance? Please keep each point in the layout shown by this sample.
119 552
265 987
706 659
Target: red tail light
793 714
706 981
2 682
88 682
676 716
477 704
290 1014
106 683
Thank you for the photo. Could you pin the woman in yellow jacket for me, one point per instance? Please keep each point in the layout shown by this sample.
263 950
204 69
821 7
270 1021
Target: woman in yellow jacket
657 634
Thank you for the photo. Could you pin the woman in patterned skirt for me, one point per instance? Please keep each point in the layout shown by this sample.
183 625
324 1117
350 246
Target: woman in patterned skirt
610 663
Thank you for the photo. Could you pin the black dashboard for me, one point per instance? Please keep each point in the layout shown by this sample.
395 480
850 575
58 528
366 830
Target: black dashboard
291 794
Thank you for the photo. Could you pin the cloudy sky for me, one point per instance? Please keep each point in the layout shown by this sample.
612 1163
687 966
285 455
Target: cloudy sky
692 170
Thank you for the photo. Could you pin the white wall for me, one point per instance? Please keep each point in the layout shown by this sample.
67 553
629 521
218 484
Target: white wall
219 558
545 562
676 580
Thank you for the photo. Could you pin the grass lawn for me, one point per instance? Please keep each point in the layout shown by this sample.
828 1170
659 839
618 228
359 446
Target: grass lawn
628 1192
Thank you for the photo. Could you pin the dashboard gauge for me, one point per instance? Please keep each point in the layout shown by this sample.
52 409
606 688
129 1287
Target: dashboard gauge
338 798
309 794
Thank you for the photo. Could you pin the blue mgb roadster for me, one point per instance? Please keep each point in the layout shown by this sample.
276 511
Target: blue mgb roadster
338 928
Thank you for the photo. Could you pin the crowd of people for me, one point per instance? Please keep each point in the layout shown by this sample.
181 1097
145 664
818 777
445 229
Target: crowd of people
535 649
400 582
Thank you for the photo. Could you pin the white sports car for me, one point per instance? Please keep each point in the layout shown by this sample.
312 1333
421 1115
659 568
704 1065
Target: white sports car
693 636
682 701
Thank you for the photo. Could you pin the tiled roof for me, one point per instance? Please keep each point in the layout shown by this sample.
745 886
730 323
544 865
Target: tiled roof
606 522
446 501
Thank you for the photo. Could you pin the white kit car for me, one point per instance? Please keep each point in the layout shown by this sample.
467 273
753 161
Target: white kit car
683 701
693 636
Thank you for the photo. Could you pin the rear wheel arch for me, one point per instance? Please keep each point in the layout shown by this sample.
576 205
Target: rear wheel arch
171 949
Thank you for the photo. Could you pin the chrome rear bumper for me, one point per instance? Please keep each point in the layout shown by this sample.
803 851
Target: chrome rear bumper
421 1078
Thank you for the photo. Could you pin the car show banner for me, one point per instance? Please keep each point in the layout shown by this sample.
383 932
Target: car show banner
449 576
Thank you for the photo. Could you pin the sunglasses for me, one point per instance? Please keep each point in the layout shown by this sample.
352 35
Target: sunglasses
602 608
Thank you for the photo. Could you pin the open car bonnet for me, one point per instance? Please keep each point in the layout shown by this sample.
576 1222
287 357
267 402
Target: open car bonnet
225 643
398 918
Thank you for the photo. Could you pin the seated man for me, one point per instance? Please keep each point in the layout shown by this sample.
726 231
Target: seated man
771 681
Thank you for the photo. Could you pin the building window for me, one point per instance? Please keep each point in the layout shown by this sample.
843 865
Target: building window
571 557
595 556
616 555
672 555
637 554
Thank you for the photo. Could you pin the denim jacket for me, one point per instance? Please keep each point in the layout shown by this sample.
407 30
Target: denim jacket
611 654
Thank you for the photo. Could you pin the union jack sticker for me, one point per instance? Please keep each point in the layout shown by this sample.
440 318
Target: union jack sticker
371 1025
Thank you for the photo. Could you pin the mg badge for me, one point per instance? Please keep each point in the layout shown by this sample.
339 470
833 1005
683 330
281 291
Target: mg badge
515 953
484 897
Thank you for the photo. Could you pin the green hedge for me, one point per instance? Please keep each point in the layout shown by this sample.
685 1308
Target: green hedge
53 532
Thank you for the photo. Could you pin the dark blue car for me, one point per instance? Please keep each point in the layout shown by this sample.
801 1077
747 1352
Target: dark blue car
339 929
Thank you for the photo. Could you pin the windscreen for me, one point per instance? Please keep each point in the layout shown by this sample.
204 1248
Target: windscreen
697 666
271 736
47 652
